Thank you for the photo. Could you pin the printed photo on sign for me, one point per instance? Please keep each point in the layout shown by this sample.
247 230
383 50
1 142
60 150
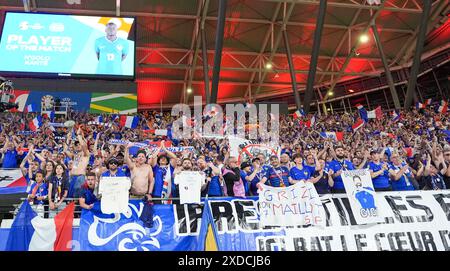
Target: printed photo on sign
362 196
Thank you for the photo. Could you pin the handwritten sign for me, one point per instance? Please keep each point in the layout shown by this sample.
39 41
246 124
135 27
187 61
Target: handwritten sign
115 196
296 205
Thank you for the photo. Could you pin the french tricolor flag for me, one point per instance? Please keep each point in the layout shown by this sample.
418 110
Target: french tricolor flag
377 113
30 232
35 123
338 136
299 113
358 124
395 116
310 123
443 107
428 101
362 112
129 121
30 108
420 105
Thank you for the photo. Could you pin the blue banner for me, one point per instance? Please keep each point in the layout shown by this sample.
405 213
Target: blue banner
47 100
175 228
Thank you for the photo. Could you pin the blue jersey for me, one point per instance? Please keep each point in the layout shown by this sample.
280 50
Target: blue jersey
258 177
365 198
159 173
381 181
336 166
310 168
402 184
41 191
110 55
246 185
88 195
300 174
121 172
278 176
10 159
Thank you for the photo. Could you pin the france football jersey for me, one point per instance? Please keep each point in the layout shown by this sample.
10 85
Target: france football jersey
110 55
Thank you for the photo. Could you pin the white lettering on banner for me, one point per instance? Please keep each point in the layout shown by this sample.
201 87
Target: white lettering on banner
39 43
413 220
295 205
361 195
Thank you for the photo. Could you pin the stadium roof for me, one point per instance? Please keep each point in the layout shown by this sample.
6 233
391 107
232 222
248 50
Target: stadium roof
168 35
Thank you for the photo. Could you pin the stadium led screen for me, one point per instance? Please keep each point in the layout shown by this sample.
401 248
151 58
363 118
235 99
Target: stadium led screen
59 45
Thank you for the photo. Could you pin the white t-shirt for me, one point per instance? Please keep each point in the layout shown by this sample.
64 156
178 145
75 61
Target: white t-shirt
190 185
115 196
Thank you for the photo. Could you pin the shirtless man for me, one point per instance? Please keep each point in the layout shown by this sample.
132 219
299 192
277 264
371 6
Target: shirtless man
80 162
142 180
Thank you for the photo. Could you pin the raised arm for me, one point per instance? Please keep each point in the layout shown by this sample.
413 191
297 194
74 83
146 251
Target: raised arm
127 159
83 143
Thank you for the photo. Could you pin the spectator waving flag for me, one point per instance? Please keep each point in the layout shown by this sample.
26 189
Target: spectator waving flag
129 121
395 115
338 136
30 108
362 112
311 122
358 124
30 232
35 124
428 101
420 105
443 107
377 113
299 113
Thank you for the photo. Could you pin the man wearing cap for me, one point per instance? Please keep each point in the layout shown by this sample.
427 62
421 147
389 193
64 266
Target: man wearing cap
113 169
252 173
379 171
142 181
111 50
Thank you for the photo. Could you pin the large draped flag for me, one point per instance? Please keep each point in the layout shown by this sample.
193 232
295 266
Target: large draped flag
32 232
362 112
338 136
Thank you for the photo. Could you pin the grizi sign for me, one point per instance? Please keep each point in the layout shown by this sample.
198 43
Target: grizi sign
412 221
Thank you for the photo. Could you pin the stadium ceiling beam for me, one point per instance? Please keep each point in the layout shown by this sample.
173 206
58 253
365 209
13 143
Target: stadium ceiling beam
225 82
247 69
208 18
417 56
248 53
260 54
292 68
26 5
386 68
438 10
192 57
407 50
352 6
352 52
218 50
341 43
286 17
314 56
198 38
118 8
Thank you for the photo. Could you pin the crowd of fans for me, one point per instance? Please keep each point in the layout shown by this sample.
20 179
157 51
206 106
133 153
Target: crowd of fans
61 163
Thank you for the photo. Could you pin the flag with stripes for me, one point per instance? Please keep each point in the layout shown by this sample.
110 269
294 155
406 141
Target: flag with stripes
395 115
443 107
35 123
377 113
338 136
129 121
30 108
358 124
362 112
420 105
311 122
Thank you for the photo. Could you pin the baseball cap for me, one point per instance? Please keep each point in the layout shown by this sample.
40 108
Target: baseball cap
245 164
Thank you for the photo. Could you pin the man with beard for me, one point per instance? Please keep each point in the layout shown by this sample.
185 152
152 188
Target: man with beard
142 181
339 165
212 187
277 175
189 182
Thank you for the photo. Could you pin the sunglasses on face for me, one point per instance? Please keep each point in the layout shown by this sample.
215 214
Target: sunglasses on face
113 163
